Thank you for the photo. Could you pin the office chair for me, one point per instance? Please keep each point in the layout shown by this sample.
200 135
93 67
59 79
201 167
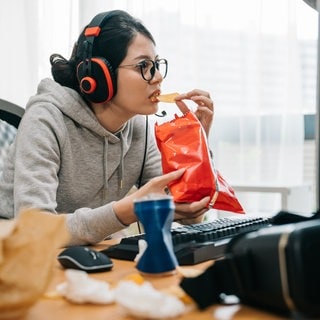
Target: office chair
10 116
10 112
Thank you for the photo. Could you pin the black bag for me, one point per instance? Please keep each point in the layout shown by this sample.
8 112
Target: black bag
276 268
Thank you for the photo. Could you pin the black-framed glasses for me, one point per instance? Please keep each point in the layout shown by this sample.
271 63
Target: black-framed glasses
148 68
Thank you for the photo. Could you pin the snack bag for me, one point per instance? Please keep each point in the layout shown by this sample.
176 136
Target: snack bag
183 144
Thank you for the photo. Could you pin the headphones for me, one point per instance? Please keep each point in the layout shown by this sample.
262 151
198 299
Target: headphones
96 77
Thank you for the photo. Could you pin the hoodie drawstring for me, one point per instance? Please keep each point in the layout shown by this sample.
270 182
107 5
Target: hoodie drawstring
121 162
105 163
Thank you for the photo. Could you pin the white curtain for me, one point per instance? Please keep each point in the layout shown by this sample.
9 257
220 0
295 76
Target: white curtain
245 53
30 32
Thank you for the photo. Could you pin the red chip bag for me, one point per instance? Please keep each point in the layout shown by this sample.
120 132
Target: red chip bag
183 144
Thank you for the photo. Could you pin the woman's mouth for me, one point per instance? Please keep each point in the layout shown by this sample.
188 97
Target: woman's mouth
154 96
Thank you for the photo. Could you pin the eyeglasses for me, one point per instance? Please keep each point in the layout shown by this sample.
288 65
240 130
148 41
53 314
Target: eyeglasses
148 68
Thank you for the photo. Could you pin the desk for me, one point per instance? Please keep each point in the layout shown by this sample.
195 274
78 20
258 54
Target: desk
60 309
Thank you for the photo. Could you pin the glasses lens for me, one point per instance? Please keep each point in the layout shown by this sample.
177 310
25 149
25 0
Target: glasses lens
149 67
162 66
146 67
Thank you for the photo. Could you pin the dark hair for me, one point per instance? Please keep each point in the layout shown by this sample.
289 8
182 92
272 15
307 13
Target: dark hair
115 36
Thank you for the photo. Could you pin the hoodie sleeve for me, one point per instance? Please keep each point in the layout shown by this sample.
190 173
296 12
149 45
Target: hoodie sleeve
37 160
36 180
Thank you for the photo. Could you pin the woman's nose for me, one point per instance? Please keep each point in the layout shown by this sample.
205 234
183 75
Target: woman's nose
157 77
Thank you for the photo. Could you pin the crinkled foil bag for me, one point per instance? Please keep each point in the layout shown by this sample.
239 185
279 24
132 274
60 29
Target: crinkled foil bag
28 247
183 144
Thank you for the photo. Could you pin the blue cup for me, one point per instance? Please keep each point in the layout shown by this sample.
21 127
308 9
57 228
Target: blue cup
156 213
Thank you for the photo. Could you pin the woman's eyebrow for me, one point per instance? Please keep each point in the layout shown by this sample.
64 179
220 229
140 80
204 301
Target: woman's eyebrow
143 57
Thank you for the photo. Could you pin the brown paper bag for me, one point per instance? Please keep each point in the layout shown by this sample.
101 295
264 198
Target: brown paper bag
28 247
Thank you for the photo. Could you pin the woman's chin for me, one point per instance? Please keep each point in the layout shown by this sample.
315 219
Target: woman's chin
150 111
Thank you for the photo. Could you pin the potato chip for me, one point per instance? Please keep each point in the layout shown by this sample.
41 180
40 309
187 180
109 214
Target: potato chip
169 98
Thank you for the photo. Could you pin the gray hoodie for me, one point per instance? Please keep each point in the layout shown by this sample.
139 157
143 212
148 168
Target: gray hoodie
64 161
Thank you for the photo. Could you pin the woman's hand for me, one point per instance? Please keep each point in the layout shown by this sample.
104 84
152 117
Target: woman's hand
205 109
158 185
183 211
124 208
192 212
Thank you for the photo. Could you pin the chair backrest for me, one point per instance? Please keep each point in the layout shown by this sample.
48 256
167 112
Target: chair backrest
10 116
10 112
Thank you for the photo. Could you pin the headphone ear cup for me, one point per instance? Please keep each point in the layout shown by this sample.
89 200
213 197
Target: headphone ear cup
100 85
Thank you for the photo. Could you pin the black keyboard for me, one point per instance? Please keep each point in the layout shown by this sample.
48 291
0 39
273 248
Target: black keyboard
194 243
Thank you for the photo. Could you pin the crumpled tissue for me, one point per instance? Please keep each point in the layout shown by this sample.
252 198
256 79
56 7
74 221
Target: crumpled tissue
143 301
142 246
80 288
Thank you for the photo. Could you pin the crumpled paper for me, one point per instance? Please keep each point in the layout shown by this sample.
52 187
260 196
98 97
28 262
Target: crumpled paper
137 298
80 288
28 246
142 246
145 302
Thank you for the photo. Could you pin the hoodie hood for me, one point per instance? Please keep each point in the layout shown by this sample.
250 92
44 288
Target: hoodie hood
70 103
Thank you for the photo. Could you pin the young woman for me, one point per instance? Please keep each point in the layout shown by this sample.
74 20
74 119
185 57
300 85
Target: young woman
83 142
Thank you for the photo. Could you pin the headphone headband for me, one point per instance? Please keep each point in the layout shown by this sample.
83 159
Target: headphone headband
92 31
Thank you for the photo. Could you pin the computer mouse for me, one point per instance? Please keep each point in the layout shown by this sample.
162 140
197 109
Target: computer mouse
85 259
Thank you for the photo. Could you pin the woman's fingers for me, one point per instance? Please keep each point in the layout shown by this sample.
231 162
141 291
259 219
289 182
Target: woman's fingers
200 97
163 181
191 210
192 206
182 106
159 184
205 109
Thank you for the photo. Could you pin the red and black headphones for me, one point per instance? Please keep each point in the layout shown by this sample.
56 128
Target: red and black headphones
96 77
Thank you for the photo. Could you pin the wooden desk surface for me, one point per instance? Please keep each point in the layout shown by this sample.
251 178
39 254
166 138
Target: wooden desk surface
61 309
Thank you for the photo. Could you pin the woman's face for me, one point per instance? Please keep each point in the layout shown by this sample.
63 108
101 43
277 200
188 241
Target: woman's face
133 92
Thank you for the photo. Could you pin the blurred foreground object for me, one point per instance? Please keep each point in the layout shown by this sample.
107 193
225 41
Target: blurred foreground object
28 246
